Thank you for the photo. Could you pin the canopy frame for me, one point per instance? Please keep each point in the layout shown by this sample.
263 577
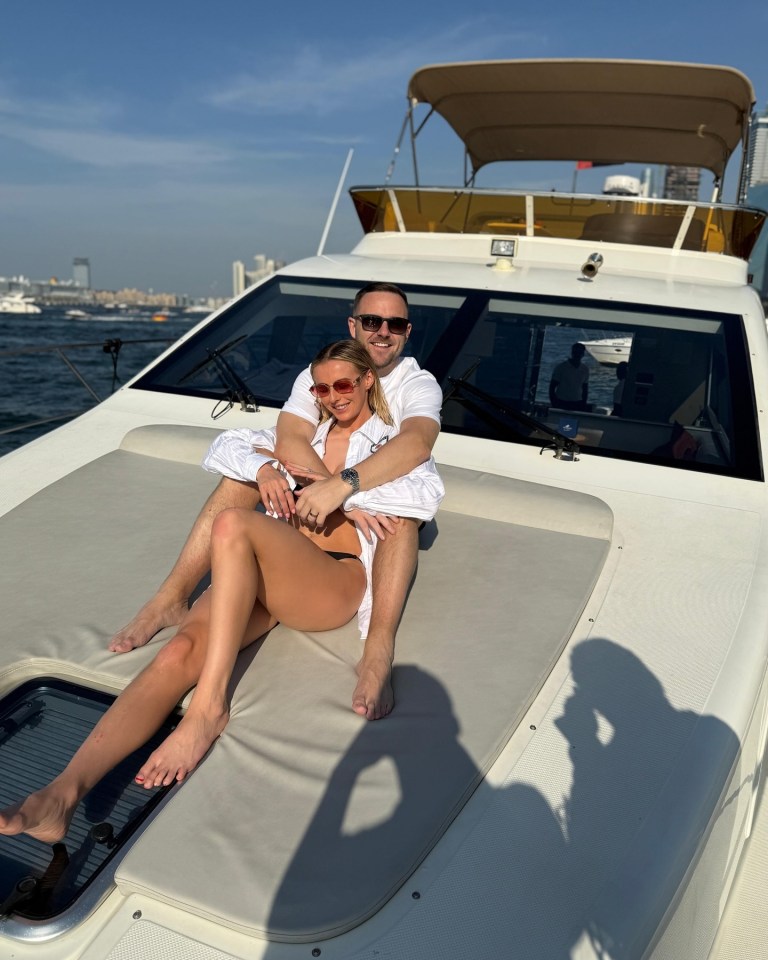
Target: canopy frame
604 111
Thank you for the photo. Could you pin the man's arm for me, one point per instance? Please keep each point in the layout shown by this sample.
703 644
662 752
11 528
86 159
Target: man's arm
406 450
417 495
553 392
294 443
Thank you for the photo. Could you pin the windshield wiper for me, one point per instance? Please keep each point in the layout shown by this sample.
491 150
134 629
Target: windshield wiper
458 386
211 354
238 390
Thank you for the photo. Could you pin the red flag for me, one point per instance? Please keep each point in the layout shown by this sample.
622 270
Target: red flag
583 164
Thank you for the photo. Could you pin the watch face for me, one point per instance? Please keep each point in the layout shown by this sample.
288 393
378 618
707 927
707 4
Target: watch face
350 476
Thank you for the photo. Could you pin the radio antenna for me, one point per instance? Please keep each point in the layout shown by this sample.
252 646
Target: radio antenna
332 211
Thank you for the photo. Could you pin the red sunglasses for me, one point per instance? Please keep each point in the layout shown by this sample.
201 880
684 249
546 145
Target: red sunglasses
344 386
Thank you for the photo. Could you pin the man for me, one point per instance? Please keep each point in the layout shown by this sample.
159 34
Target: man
569 386
379 321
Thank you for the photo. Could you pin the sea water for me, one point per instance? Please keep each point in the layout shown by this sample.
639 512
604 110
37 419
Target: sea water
39 385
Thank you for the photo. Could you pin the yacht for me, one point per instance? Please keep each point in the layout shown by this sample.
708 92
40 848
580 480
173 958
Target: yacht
574 765
18 303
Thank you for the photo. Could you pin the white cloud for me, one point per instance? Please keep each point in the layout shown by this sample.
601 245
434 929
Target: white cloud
323 81
108 149
83 131
68 111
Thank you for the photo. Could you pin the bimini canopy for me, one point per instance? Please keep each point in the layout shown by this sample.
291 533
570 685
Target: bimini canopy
606 111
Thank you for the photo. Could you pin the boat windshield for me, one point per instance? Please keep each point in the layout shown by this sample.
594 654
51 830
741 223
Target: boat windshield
651 384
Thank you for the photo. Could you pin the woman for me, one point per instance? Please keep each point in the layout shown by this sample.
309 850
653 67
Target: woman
263 570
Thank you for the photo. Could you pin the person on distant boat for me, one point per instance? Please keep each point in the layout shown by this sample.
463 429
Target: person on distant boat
309 573
379 321
569 386
618 390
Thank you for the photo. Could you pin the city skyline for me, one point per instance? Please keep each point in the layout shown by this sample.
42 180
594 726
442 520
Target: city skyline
167 142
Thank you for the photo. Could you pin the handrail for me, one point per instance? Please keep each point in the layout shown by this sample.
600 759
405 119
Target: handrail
677 225
109 346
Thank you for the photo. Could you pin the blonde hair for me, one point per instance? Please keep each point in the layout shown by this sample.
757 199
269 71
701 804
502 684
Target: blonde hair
350 351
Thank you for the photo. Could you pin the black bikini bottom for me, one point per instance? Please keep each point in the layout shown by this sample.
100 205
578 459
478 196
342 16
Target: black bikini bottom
342 556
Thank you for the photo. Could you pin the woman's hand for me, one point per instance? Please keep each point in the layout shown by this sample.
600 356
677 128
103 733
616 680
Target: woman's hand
372 524
275 491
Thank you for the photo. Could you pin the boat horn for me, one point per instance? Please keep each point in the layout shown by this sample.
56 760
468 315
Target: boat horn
591 265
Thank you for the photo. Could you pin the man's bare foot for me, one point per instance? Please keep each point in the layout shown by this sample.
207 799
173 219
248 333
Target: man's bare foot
153 616
373 697
181 751
44 815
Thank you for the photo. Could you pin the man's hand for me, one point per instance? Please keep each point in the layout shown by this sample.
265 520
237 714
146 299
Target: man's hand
276 494
373 524
316 502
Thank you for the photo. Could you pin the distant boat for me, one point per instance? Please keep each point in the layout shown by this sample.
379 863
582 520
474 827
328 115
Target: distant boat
609 352
160 317
76 314
18 303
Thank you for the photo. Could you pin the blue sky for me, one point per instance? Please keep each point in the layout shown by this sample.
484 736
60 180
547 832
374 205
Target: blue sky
164 140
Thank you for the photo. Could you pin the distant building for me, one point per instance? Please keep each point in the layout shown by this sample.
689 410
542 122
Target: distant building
238 277
682 183
81 272
242 278
758 166
757 196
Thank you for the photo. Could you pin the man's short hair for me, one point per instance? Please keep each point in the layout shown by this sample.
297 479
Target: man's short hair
377 287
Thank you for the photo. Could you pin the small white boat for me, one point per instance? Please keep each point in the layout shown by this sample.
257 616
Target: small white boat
18 303
76 314
609 352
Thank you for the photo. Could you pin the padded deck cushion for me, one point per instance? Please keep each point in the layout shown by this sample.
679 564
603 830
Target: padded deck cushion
304 819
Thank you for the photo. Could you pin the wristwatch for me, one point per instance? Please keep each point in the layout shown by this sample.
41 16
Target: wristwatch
349 475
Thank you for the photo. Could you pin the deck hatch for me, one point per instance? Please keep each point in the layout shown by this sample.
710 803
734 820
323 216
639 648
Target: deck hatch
42 723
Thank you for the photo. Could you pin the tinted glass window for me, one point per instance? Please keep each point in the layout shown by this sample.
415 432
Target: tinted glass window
648 384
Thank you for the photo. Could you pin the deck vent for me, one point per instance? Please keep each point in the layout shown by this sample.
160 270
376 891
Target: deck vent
42 723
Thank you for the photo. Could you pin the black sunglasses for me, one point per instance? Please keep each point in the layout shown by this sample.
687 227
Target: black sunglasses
373 322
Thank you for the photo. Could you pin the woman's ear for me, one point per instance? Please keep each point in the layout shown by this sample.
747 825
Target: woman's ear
368 379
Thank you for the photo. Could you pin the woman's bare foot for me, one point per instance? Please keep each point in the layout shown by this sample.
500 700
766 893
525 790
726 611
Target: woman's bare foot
44 815
181 751
153 616
373 697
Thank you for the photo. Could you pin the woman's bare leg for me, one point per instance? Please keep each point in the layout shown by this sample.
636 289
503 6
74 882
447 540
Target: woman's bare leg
180 752
132 719
255 560
168 606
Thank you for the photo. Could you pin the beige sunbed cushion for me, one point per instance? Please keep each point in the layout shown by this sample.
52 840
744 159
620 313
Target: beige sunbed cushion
304 819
